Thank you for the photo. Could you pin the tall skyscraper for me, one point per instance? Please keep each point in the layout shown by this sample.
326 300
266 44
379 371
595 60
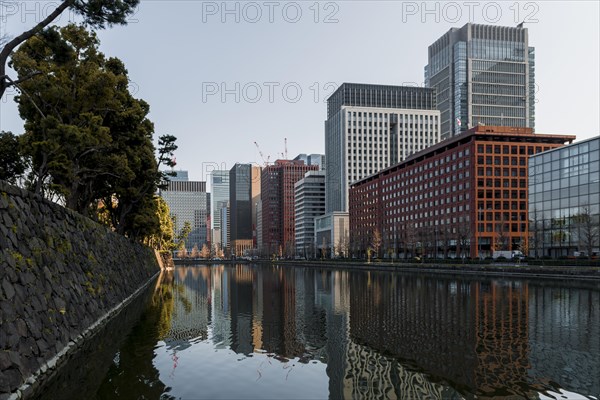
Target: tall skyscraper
220 197
189 202
277 198
483 74
244 189
309 202
371 127
225 229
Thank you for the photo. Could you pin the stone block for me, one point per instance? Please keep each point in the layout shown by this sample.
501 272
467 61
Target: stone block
8 288
21 327
5 361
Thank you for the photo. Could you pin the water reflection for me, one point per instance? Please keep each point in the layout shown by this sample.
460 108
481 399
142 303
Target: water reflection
280 332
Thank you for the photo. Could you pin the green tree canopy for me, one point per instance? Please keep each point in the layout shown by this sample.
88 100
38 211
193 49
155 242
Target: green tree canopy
88 138
95 13
12 165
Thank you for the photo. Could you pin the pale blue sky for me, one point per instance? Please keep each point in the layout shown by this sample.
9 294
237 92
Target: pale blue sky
179 53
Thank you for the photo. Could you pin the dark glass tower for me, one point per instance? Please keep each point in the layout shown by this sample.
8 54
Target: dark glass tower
483 75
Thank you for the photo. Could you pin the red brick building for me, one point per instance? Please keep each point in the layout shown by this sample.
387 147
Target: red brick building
277 197
466 196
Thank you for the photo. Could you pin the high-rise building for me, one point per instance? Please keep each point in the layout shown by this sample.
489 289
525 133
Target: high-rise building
244 189
483 74
220 197
259 242
277 198
466 196
225 228
309 202
312 159
370 127
189 202
564 201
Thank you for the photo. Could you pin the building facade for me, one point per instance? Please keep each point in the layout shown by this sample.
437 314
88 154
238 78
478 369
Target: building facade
259 231
332 235
277 198
225 229
189 202
180 176
483 74
309 202
466 196
564 201
371 127
244 189
220 197
312 159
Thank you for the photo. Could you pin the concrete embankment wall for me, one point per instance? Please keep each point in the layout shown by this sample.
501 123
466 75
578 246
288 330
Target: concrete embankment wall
60 273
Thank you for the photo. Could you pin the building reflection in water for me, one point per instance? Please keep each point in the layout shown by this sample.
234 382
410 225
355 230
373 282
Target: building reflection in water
397 335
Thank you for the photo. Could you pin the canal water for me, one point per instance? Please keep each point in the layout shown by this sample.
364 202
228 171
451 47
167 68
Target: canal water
270 332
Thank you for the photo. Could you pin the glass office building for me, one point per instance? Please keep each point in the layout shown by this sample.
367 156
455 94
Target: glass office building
484 75
564 200
244 192
219 180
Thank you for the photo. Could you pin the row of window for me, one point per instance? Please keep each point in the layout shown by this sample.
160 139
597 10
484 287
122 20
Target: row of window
499 78
491 88
502 194
501 100
479 65
504 112
590 147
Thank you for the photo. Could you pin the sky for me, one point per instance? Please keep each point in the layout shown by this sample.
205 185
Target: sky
223 75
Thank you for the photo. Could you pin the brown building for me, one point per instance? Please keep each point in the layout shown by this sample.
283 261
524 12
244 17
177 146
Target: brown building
277 197
465 196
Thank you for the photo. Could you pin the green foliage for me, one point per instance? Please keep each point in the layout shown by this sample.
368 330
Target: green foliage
12 164
95 13
183 235
88 138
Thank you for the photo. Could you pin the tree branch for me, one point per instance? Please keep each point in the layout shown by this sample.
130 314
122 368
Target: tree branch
11 45
16 84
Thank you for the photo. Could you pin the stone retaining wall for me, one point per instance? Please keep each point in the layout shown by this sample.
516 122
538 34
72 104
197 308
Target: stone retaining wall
60 272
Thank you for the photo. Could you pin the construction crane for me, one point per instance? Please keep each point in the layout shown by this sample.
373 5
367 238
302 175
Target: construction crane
266 161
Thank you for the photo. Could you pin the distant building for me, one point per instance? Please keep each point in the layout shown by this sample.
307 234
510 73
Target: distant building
371 127
189 202
309 202
277 198
483 74
244 189
180 176
332 235
466 196
259 231
564 200
220 197
312 159
225 228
